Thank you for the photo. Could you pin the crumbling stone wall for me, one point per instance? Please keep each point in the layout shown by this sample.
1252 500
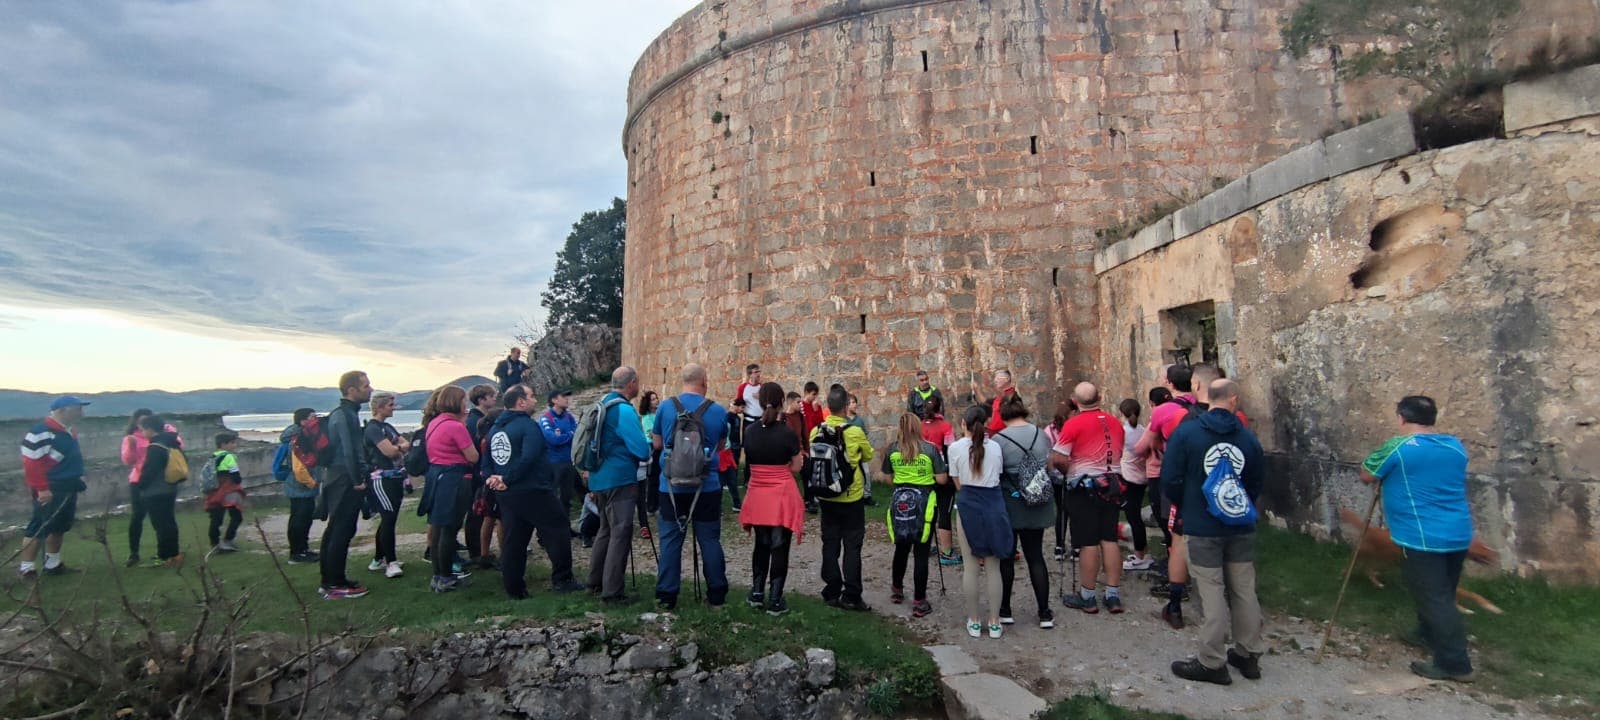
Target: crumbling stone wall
849 191
1465 274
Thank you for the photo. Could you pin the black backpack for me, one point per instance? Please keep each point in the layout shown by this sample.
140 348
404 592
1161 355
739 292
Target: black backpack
687 470
910 514
416 459
824 470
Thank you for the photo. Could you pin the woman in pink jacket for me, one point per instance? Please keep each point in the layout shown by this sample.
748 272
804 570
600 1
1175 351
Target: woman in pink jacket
134 447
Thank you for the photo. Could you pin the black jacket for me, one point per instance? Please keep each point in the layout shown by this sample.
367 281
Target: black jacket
153 474
1183 469
346 445
516 448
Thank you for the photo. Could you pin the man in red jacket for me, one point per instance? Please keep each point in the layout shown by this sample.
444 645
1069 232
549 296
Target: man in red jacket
52 467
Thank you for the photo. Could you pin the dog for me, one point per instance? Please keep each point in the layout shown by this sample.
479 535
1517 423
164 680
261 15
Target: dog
1378 551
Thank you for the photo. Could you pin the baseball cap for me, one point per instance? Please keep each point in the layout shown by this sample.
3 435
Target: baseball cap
558 392
67 401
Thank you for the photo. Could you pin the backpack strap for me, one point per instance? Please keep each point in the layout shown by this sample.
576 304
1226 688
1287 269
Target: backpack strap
1110 465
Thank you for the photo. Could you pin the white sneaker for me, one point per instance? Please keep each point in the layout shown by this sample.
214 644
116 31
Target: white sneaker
393 570
974 628
375 565
995 631
1138 563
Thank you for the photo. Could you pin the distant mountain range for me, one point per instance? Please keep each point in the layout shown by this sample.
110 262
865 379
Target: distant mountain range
237 401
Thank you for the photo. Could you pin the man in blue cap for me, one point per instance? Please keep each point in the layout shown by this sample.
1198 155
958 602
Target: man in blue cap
52 466
559 426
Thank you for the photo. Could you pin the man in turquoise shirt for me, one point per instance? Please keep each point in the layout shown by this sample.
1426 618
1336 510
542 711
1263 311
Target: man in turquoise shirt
1424 485
615 484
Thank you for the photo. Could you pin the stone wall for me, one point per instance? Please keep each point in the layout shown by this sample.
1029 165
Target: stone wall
848 191
1464 274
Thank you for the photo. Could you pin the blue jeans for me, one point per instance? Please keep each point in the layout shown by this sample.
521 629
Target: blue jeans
1432 579
707 523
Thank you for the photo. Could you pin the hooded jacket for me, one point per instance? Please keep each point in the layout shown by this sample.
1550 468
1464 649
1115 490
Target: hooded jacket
292 489
1184 469
347 445
517 449
153 474
558 431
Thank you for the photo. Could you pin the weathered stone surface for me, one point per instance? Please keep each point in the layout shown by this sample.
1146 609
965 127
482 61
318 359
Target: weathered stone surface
646 656
981 696
572 354
1232 199
820 667
1552 99
1370 143
952 660
1301 167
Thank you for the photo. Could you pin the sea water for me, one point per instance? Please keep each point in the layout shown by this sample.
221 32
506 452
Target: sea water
403 420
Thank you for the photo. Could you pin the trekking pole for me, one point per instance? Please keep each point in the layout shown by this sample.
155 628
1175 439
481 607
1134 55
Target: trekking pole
939 562
1349 569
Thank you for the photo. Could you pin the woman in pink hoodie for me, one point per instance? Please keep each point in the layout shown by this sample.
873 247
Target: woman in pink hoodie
134 447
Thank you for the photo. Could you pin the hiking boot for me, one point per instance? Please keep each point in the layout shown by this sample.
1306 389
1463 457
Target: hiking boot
668 603
376 565
1249 665
1113 604
567 587
832 602
1434 672
1047 618
393 570
1172 616
488 562
858 605
588 543
440 584
132 560
950 559
777 606
755 599
427 554
1191 669
1074 601
1061 553
1416 639
175 562
1136 563
301 558
616 600
921 608
897 595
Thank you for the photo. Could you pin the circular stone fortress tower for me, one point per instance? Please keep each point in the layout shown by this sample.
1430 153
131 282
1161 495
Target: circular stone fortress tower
848 191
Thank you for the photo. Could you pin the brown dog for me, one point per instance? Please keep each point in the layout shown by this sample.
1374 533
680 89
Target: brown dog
1378 551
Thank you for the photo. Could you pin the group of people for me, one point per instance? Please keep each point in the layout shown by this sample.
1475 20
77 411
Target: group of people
979 494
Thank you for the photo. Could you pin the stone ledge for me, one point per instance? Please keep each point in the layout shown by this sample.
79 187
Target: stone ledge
1553 99
981 696
1381 140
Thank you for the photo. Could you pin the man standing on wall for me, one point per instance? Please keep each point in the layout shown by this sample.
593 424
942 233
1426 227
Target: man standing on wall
52 467
558 426
509 371
1424 484
346 487
1201 458
917 401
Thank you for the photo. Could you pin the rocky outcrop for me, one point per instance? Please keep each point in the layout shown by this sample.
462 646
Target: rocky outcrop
574 355
557 673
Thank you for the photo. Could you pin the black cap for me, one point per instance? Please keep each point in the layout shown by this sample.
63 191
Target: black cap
558 392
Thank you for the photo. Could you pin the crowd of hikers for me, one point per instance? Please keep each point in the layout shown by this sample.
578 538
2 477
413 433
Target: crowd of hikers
501 466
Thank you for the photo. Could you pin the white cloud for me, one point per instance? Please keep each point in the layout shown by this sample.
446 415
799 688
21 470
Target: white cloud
397 174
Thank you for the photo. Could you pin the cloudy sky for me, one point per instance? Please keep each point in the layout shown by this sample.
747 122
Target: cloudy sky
230 193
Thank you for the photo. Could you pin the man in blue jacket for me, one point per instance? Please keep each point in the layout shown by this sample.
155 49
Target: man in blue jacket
52 467
1424 476
683 507
615 486
527 495
1221 556
559 426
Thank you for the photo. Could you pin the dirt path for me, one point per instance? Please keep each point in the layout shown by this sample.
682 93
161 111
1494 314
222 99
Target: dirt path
1124 656
1128 656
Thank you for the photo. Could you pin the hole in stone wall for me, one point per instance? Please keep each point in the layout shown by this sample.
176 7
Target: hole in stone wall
863 324
1175 44
872 178
1405 177
749 281
1033 144
924 60
1055 277
1407 250
1192 330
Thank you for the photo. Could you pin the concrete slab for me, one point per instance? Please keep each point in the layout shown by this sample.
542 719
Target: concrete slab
1301 167
1186 222
989 697
952 660
1552 99
1384 139
1232 199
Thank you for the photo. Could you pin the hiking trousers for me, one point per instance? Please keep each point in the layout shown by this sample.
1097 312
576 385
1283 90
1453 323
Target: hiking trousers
903 551
1432 579
608 564
844 529
524 513
137 514
214 531
1223 573
301 512
343 508
1032 543
162 508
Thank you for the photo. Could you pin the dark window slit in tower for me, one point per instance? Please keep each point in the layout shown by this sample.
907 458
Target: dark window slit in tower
1033 144
872 178
1176 45
863 324
1055 277
924 60
749 281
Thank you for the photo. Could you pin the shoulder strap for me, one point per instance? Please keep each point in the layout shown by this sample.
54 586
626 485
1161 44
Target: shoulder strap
1008 439
1110 465
700 412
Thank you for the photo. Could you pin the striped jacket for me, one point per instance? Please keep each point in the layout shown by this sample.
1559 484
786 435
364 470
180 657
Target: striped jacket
51 458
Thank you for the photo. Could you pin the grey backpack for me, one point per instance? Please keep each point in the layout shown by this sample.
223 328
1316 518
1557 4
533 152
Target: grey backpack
688 461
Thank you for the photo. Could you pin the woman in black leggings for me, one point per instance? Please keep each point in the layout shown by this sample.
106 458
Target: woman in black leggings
1135 483
1019 442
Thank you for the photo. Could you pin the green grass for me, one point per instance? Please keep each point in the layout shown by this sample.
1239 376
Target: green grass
1097 707
1546 644
870 648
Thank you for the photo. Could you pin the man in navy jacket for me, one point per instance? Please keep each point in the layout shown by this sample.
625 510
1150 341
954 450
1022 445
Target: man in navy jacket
527 493
1221 556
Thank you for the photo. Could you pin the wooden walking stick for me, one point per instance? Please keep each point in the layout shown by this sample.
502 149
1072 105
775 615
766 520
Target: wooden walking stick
1377 493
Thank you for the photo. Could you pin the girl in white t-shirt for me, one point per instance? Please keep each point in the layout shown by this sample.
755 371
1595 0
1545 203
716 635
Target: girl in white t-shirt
1134 477
981 522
